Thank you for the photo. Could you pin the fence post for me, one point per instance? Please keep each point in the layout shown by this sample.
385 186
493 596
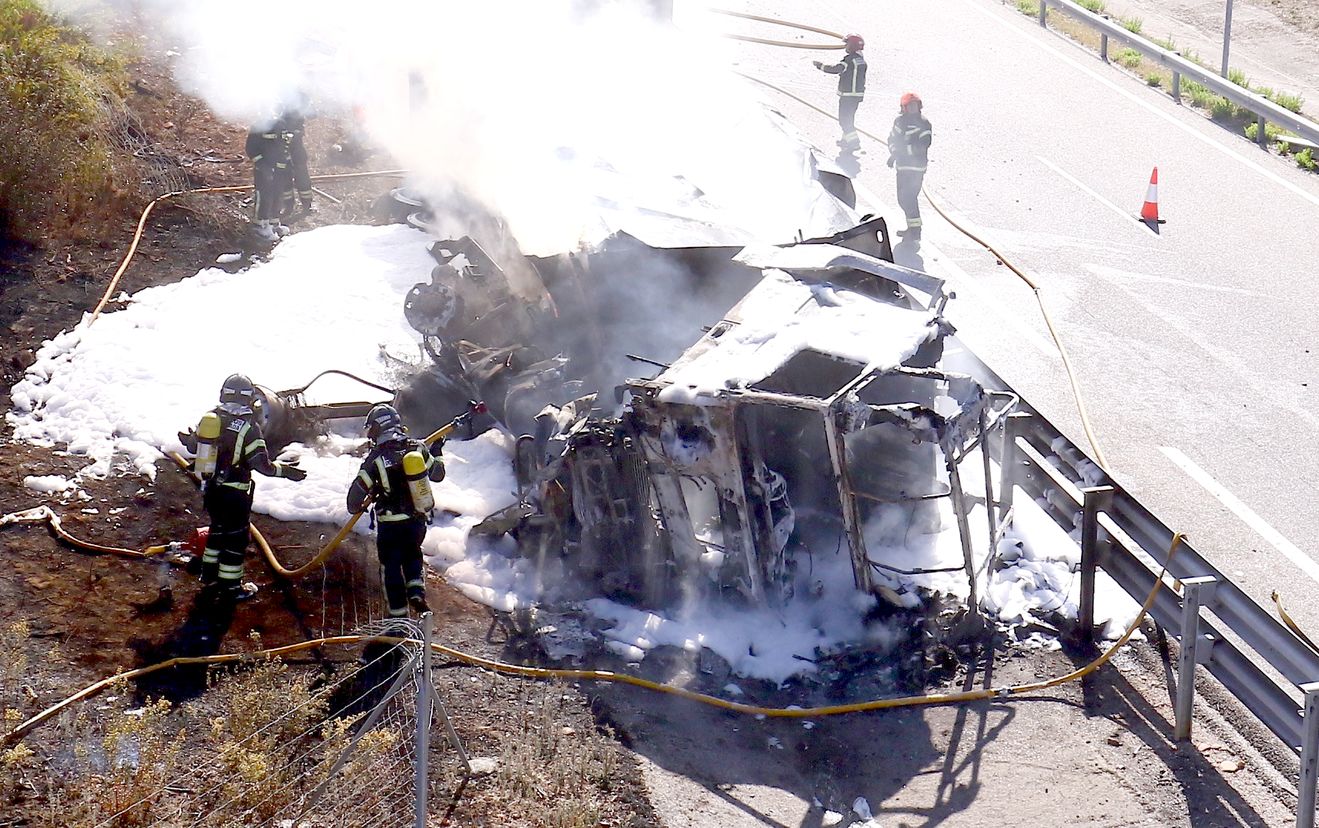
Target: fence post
1008 460
1177 87
1309 757
1097 499
1196 592
424 691
1103 47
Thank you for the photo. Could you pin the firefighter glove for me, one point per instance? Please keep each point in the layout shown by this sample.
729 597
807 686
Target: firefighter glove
437 447
292 471
890 161
817 64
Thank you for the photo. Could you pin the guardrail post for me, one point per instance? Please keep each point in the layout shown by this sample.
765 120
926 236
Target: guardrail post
1227 36
1262 136
424 722
1196 592
1044 12
1309 757
1103 48
1097 499
1177 87
1009 459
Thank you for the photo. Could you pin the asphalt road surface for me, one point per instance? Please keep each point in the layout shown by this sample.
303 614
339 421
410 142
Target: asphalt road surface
1196 348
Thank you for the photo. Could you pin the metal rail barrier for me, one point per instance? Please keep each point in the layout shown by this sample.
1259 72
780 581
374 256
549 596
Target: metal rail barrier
1130 544
1266 111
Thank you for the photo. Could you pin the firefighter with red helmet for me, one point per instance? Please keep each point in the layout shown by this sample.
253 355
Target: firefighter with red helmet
909 149
851 72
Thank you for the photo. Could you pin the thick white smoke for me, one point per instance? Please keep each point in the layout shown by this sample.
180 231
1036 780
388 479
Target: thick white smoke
539 108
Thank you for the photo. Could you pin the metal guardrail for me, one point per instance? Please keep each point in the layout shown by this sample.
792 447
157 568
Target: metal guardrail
1131 545
1266 111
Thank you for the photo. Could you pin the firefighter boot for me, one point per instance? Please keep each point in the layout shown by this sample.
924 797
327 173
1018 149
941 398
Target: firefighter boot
265 230
239 593
417 601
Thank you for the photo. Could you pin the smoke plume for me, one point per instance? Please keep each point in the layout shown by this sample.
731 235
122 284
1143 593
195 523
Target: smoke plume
541 109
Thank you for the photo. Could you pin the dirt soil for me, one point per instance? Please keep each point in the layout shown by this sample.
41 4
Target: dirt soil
1091 753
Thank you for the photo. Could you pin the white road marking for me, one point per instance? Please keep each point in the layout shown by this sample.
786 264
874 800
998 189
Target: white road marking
1112 273
1151 107
1110 205
1261 527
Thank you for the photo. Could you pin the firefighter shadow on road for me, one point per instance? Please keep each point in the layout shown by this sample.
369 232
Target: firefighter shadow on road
908 254
715 767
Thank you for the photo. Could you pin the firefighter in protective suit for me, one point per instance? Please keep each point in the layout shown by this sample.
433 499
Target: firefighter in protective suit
227 490
401 519
270 148
909 151
851 72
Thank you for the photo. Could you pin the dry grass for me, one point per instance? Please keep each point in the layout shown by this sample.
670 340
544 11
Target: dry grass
261 737
551 775
251 746
58 92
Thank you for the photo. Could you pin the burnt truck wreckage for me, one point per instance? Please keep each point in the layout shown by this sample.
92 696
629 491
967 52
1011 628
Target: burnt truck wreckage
807 415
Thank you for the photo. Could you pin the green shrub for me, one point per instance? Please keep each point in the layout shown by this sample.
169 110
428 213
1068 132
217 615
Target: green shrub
1096 6
1286 100
1129 58
1222 109
56 92
1167 43
1305 159
1199 94
1132 24
1028 7
1238 77
1154 79
1271 132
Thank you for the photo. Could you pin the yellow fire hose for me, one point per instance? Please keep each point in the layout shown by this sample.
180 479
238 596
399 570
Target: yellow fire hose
44 514
333 543
787 44
1291 624
23 729
236 188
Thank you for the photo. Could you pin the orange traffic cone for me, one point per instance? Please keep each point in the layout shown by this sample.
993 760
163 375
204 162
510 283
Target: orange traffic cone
1150 212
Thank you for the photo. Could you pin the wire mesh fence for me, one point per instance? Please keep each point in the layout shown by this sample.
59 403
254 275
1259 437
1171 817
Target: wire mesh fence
269 746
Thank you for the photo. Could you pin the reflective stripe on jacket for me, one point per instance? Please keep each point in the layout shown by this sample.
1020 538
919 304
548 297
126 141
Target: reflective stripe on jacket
851 72
909 142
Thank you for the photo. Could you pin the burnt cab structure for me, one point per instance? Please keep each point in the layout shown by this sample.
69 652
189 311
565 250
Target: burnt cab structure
815 417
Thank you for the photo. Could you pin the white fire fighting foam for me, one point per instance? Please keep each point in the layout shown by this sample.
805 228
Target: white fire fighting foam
118 391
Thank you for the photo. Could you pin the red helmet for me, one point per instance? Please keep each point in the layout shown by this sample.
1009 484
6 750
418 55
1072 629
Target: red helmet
909 97
854 43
